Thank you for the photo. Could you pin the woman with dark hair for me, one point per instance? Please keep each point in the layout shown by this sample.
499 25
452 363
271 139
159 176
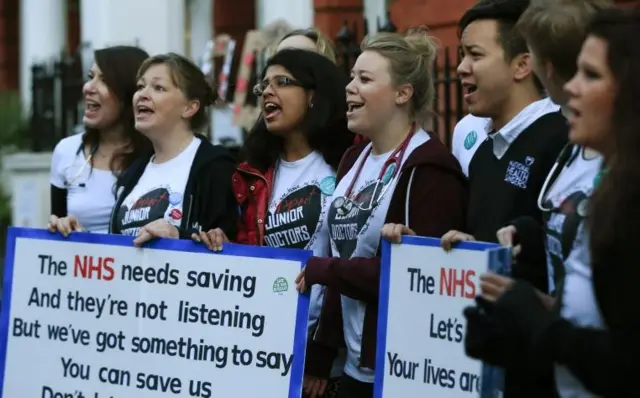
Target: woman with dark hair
84 167
313 40
184 184
605 116
290 161
292 152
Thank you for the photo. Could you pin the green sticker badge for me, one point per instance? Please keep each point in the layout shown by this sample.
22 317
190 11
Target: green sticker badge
470 140
388 174
280 285
328 185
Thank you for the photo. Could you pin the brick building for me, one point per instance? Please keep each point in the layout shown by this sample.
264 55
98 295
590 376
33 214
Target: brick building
33 30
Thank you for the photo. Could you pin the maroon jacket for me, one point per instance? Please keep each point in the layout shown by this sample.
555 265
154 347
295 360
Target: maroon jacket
437 204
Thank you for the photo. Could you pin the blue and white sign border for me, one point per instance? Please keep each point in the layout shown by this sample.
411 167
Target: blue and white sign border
383 298
302 256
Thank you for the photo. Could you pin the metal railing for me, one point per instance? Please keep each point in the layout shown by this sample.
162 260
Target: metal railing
57 89
56 92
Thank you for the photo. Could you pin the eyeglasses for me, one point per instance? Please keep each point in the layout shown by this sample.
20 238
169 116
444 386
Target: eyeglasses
275 82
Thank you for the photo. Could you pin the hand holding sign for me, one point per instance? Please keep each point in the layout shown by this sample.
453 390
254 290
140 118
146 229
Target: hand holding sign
155 229
301 286
394 232
423 354
64 225
506 237
452 237
213 239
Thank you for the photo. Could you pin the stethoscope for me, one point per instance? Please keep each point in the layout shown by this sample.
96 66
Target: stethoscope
344 204
85 164
566 157
570 228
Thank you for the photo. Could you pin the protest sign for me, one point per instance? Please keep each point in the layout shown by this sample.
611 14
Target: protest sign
91 316
423 291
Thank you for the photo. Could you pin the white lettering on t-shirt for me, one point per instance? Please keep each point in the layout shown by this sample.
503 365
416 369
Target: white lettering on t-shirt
356 233
300 194
159 193
568 197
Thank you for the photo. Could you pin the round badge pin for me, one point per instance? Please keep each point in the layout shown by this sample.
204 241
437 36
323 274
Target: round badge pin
176 214
328 185
470 139
175 198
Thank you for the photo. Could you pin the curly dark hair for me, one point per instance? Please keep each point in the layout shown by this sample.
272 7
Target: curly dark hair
614 206
324 125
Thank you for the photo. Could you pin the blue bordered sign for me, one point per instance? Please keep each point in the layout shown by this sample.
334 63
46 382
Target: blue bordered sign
420 351
88 289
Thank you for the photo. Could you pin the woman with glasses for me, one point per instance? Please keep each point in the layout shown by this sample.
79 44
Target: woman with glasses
84 166
402 176
290 155
290 160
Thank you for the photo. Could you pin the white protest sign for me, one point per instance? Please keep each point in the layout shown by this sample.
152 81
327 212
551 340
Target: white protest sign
91 316
423 291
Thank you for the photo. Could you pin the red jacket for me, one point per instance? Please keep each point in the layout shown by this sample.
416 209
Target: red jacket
437 204
252 190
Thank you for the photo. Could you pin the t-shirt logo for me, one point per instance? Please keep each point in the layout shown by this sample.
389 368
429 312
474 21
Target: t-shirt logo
528 161
294 220
149 207
518 172
345 228
562 233
470 139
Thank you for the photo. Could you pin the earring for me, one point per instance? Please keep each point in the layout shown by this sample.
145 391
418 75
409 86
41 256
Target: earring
311 105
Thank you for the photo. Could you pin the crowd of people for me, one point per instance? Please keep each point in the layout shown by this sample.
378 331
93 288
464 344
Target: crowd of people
544 163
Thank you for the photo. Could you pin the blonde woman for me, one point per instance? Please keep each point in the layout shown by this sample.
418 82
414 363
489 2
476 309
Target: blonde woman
401 176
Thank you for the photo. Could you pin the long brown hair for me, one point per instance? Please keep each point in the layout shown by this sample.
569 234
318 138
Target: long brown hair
119 65
615 207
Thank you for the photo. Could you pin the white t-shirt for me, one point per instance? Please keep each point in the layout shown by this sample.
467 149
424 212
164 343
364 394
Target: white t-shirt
569 197
357 234
468 134
295 218
300 193
90 195
159 193
471 131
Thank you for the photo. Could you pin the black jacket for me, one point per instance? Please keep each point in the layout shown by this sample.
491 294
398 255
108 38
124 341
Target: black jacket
209 202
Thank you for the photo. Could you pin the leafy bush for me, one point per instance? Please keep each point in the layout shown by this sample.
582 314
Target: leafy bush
14 127
14 136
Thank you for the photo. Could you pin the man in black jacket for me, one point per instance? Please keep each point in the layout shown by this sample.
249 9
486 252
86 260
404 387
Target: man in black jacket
508 145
